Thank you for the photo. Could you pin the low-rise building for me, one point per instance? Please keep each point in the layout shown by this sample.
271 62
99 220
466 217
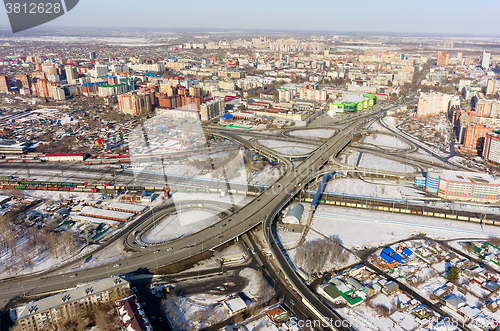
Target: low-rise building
66 157
55 310
106 214
132 316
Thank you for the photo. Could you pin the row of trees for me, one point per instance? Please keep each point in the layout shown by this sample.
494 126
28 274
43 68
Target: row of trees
23 245
312 256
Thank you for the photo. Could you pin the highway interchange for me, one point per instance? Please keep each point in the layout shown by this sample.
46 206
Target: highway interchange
262 210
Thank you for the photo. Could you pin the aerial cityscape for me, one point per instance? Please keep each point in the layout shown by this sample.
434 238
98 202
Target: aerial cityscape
241 179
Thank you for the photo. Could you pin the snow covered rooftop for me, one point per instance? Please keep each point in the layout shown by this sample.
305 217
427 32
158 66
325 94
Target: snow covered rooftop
469 177
132 315
235 304
74 295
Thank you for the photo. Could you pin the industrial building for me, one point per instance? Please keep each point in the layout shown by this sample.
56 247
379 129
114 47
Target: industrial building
53 311
469 186
466 186
66 157
106 214
13 147
352 103
294 213
127 207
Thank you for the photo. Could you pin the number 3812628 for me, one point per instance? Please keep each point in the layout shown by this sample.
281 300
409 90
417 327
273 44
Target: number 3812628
33 8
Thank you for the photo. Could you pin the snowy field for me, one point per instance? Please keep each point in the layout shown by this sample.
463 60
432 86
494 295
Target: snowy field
360 187
288 239
378 163
359 227
390 121
266 176
422 155
180 224
349 158
385 141
377 126
315 133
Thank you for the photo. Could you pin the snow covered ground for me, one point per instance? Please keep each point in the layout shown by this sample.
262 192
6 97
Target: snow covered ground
266 176
385 141
315 133
378 163
377 126
422 155
328 265
255 282
360 187
180 224
288 239
359 227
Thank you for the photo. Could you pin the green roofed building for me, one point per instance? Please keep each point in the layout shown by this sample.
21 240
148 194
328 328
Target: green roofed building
352 103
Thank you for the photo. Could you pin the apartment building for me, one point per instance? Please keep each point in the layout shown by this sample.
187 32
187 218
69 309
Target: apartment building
491 149
212 108
134 103
474 137
432 104
51 312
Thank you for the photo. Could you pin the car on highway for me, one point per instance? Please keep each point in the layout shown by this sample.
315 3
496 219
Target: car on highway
73 275
223 225
213 226
221 237
143 247
157 250
229 220
117 265
169 249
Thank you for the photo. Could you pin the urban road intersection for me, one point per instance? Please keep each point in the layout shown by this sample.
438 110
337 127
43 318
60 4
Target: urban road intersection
262 210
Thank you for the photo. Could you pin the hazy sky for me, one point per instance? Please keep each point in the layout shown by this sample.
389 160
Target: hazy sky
417 16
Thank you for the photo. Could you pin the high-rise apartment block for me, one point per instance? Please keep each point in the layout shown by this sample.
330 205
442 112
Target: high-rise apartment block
212 108
490 87
4 84
71 74
23 80
443 59
486 107
312 93
491 149
474 138
432 104
134 103
101 70
485 60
